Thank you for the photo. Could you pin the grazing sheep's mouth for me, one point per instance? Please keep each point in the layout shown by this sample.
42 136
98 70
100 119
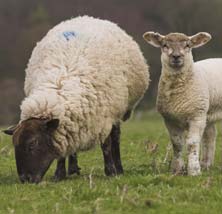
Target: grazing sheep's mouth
30 179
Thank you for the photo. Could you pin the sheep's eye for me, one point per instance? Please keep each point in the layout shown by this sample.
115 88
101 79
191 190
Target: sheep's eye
31 145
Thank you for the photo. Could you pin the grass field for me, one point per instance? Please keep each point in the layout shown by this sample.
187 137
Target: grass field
146 187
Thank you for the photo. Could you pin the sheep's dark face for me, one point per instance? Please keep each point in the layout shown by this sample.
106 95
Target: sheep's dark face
34 150
176 47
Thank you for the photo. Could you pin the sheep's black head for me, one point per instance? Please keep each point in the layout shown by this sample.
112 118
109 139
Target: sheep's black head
34 150
176 47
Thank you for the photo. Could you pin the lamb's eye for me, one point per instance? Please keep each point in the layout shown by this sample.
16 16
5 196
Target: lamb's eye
165 47
187 46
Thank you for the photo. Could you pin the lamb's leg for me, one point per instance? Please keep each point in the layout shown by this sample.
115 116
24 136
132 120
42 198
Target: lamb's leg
109 166
208 146
60 172
177 140
195 132
115 136
73 165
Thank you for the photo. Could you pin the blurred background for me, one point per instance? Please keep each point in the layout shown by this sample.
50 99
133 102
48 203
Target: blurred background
24 22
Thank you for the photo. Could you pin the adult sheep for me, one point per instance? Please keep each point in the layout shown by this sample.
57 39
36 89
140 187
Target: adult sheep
83 78
189 98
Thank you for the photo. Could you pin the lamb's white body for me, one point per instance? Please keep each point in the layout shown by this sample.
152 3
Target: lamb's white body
88 73
211 72
191 102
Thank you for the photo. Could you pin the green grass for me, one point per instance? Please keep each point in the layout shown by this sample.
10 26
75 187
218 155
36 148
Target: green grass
146 187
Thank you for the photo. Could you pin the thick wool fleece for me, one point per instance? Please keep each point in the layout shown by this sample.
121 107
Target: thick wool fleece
88 73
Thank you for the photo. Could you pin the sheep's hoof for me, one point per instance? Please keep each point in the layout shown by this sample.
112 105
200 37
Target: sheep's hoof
75 170
119 170
110 170
59 175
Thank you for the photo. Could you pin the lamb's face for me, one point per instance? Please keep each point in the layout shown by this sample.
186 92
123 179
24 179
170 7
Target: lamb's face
34 150
176 47
176 50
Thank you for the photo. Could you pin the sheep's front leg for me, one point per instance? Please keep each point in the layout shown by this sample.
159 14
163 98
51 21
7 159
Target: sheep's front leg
110 169
177 140
195 132
73 165
60 172
208 146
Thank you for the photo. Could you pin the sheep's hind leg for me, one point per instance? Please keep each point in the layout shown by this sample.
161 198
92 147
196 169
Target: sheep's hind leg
73 167
60 172
208 146
109 166
115 147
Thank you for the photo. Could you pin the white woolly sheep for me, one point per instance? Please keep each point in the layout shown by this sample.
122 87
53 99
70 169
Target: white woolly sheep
83 78
189 98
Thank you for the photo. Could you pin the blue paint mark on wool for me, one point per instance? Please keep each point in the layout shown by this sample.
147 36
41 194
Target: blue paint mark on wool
69 35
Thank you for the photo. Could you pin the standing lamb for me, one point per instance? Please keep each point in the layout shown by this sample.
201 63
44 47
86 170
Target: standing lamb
84 77
189 98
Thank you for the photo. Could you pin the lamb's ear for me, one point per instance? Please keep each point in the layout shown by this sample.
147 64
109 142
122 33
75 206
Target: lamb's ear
155 39
10 130
199 39
52 124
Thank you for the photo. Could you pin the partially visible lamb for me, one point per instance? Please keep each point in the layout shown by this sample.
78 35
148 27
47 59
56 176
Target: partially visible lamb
189 97
83 79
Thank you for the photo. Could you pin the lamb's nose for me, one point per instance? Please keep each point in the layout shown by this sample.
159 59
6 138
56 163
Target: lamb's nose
176 57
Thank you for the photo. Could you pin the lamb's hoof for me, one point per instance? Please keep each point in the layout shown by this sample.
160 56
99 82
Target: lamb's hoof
205 165
193 167
59 175
194 171
75 170
179 172
177 167
110 170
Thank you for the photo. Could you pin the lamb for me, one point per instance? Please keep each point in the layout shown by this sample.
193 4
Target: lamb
189 98
83 78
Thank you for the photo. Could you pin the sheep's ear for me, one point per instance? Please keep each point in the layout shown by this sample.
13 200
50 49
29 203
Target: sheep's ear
155 39
199 39
52 125
10 130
